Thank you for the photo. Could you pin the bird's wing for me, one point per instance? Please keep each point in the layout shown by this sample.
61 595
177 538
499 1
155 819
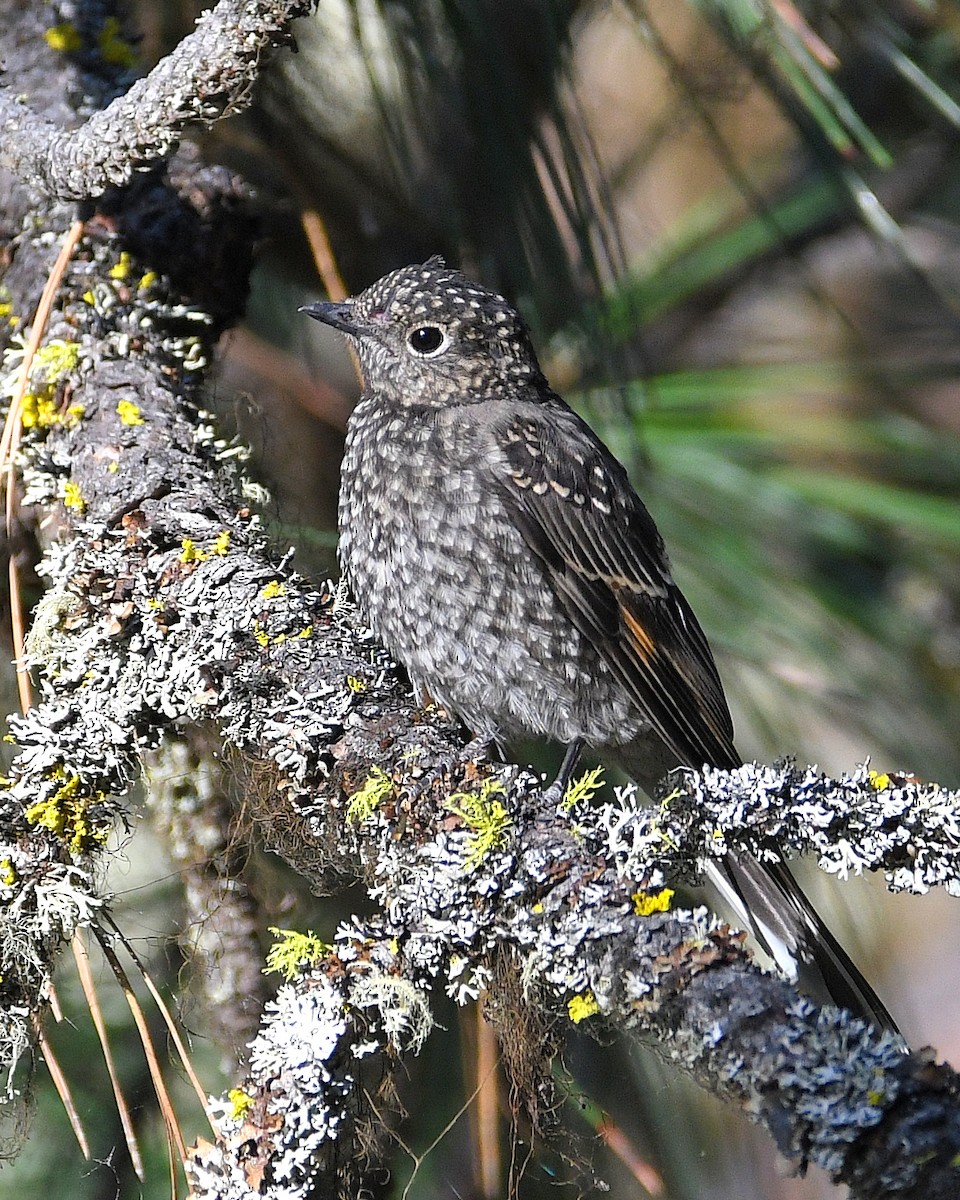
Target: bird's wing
579 515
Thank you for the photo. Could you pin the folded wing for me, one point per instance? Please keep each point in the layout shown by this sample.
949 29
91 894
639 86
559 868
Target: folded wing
605 559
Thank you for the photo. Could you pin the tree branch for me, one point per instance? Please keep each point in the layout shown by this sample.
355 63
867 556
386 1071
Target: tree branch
562 895
166 606
208 76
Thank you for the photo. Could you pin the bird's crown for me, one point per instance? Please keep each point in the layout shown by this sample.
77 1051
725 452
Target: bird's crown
442 318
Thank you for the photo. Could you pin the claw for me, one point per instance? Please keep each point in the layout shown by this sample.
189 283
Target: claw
451 765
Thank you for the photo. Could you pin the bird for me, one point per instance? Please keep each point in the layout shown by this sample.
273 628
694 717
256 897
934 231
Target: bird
497 548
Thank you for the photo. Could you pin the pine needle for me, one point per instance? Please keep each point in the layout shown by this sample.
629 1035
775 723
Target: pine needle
82 959
174 1133
63 1091
168 1017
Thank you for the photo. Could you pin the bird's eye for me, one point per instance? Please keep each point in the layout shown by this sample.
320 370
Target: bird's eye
428 340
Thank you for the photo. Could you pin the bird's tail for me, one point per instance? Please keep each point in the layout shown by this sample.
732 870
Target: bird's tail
767 898
767 901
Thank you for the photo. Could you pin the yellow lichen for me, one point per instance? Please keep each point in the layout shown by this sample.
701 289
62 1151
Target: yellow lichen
486 816
8 873
582 1006
582 789
147 279
221 543
356 684
273 589
879 781
66 814
129 413
64 38
72 497
38 410
306 632
364 803
240 1103
56 359
645 903
293 952
121 269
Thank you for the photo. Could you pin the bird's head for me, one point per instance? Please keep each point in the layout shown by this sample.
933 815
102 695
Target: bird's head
428 336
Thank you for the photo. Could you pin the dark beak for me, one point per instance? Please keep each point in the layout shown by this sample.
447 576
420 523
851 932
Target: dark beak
337 316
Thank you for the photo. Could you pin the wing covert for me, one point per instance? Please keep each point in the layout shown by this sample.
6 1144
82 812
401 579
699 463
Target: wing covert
605 559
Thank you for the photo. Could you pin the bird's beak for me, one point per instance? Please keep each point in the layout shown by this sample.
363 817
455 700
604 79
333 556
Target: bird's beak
337 316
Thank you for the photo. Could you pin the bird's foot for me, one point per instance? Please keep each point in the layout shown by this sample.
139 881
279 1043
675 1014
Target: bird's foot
552 795
448 767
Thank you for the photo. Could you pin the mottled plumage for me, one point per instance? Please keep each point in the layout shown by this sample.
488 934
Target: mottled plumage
498 549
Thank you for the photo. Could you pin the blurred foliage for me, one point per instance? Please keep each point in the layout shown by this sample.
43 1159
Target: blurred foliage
733 227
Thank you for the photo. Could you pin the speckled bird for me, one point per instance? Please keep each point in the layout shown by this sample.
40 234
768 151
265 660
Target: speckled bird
499 551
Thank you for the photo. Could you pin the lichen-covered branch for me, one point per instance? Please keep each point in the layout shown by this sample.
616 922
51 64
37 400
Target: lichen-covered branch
210 74
866 821
166 606
577 901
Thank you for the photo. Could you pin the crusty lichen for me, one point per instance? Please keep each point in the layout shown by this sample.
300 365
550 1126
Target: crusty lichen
308 1058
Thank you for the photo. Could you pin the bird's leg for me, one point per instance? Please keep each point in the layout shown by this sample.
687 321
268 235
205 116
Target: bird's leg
555 792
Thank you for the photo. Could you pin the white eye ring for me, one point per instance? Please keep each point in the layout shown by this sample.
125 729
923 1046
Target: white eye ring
427 341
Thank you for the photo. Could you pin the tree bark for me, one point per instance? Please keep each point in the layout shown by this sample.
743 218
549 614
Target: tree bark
166 606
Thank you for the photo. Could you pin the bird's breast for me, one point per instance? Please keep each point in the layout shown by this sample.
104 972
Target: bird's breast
413 494
444 578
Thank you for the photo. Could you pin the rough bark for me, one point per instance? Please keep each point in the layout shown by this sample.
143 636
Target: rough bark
167 606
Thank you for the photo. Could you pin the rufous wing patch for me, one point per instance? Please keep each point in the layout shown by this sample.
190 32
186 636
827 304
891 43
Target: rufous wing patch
640 639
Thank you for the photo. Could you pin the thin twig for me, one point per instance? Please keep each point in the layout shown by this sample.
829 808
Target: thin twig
63 1091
